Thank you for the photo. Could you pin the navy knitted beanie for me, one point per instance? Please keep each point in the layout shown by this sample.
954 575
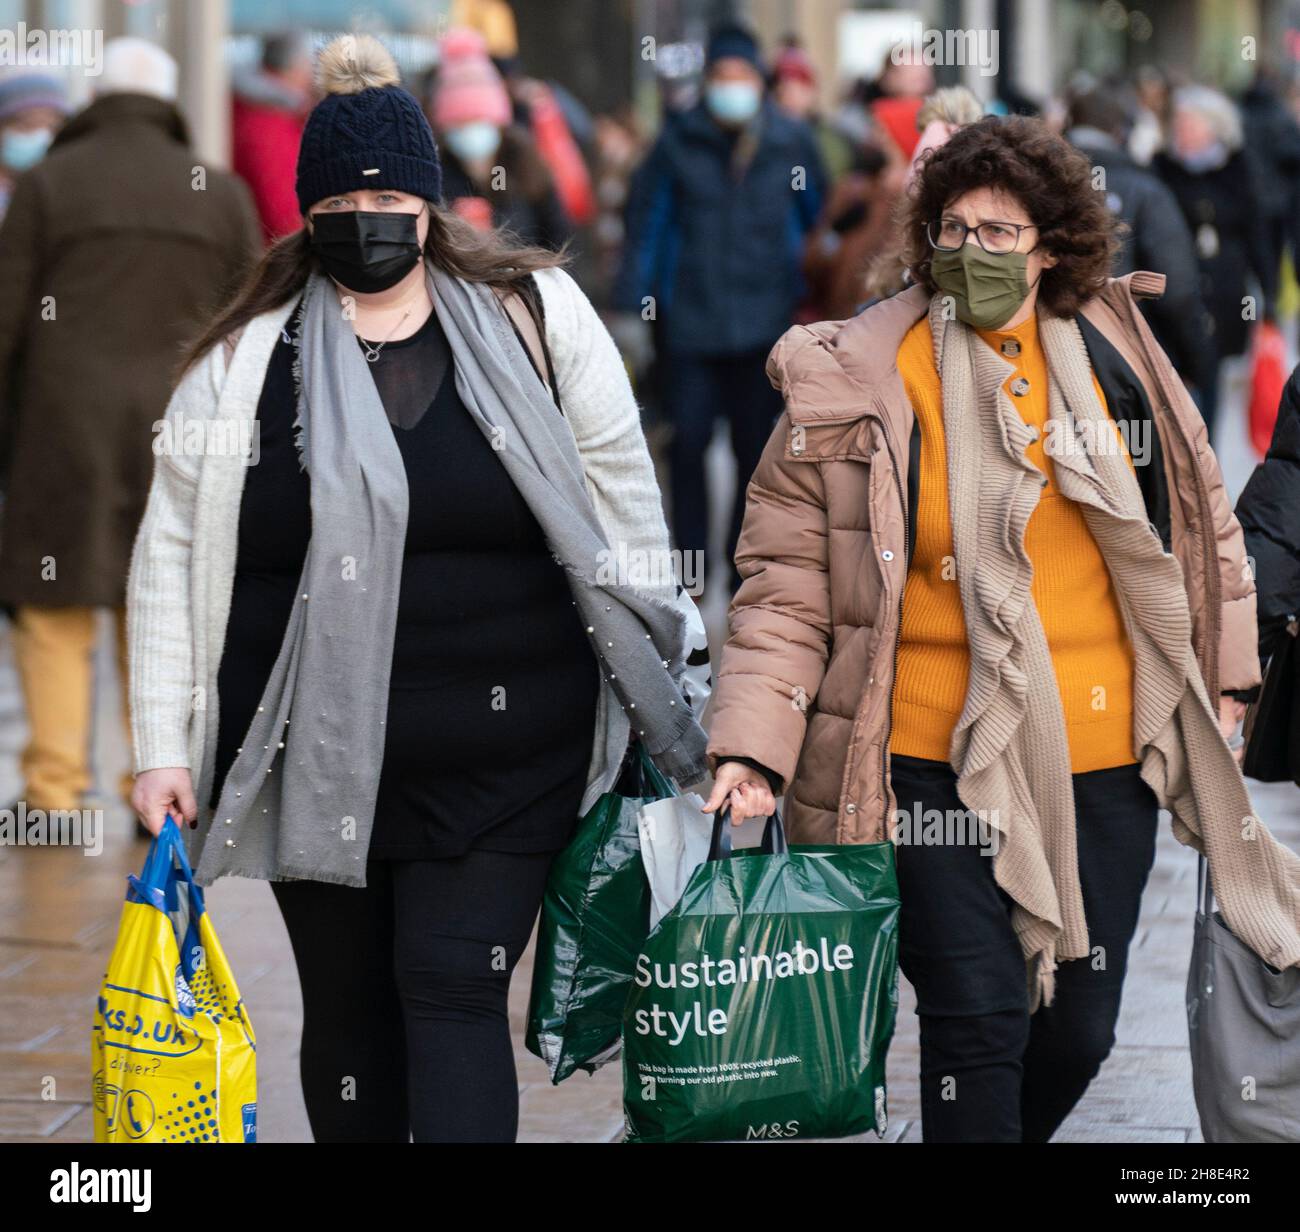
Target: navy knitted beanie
367 132
733 39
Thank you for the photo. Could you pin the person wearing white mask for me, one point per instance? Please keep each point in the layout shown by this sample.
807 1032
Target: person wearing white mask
493 175
733 92
33 107
715 226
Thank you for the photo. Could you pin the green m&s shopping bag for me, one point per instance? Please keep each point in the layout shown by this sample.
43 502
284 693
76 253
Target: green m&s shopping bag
595 915
763 1004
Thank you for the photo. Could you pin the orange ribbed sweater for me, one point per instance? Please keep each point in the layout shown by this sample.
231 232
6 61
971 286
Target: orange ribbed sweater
1072 589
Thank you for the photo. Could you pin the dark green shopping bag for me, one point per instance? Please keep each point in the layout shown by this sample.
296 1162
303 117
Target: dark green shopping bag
763 1003
595 915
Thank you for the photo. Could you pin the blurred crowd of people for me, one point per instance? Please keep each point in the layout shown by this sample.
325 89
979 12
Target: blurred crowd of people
755 205
1206 187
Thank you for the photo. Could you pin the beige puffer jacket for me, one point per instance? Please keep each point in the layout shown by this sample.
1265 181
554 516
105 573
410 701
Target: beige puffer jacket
807 671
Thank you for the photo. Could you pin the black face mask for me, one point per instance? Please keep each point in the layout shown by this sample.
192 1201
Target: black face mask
366 251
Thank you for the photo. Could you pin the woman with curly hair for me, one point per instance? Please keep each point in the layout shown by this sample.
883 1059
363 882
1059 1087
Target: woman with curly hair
995 608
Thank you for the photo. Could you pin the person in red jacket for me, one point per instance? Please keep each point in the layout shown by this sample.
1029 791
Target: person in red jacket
270 105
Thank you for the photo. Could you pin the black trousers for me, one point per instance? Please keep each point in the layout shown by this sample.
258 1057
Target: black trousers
700 389
404 983
991 1071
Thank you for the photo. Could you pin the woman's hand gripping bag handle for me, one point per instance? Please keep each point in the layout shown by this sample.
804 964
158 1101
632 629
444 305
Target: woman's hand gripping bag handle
772 843
762 1005
173 1053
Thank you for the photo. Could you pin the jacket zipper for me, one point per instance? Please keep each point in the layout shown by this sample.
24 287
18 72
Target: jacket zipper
898 637
898 627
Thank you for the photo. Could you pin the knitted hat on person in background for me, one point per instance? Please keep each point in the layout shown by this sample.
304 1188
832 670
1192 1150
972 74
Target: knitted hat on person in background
469 88
367 132
794 64
21 89
733 41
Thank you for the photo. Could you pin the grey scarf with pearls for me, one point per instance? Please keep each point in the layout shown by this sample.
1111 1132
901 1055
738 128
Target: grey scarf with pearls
638 637
298 802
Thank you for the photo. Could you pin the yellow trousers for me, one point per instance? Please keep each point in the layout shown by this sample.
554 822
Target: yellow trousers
53 649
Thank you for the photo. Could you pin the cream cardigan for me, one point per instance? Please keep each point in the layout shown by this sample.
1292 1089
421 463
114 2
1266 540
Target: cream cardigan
183 562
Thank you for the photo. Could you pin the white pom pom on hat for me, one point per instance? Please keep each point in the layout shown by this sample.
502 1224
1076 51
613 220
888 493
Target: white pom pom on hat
355 62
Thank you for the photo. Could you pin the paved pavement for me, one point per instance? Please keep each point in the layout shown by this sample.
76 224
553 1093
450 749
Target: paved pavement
59 912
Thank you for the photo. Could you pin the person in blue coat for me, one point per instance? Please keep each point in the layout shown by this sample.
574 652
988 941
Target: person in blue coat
715 225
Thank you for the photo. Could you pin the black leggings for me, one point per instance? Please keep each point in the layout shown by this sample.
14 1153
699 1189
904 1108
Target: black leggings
991 1072
405 1030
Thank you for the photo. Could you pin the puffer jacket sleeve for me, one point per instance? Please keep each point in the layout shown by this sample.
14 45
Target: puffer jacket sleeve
779 623
1269 512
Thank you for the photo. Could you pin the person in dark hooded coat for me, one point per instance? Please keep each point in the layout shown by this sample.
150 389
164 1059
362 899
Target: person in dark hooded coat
1156 236
1219 186
1269 513
114 247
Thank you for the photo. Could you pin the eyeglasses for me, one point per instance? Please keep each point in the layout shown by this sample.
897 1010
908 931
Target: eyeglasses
948 235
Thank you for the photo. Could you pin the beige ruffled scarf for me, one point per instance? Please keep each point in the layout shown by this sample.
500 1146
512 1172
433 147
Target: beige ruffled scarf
1009 745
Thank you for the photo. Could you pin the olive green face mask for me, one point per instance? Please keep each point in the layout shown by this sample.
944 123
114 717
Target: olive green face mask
987 288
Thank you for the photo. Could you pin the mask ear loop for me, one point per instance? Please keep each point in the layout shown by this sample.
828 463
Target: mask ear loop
427 209
1030 252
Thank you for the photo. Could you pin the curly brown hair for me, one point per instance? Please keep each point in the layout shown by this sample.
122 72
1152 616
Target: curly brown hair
1022 157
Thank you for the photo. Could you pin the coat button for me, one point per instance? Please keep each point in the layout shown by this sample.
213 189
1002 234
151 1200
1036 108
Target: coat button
886 555
850 807
1020 387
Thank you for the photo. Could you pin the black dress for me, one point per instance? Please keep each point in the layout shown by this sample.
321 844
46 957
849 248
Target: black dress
492 696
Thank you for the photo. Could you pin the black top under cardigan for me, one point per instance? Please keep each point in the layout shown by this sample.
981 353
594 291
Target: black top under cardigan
492 697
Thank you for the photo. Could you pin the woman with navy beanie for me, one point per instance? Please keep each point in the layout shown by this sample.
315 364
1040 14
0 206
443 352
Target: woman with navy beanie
395 625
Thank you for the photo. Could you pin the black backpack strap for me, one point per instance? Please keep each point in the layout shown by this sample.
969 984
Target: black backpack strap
529 294
538 310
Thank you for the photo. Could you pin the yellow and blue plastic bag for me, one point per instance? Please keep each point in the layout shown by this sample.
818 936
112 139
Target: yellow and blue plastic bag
173 1053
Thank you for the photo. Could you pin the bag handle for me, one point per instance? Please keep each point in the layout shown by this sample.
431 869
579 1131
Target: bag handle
773 844
639 778
158 880
1204 890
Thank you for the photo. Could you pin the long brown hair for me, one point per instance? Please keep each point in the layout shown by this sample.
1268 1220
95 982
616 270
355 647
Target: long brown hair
495 257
